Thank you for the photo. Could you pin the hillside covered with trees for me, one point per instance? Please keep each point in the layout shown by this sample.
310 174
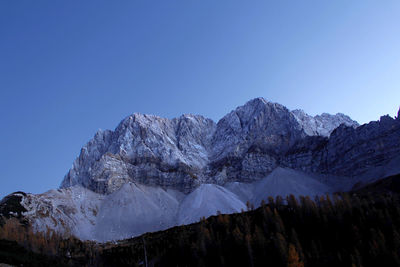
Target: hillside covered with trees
351 229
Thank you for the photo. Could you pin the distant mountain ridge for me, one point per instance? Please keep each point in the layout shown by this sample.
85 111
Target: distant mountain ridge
152 173
323 124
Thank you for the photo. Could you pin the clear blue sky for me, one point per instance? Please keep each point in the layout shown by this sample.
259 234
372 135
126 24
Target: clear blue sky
68 68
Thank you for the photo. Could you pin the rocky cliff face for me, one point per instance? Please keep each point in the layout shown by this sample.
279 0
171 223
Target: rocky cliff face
147 149
248 141
245 145
348 151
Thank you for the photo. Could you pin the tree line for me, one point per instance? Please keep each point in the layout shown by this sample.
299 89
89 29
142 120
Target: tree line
343 230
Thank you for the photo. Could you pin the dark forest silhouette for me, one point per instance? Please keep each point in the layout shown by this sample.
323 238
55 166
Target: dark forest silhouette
349 229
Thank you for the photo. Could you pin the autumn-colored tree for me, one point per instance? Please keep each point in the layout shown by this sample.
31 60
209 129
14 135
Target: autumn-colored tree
278 201
281 246
203 239
237 235
356 259
249 249
258 237
294 239
292 202
278 223
271 202
293 257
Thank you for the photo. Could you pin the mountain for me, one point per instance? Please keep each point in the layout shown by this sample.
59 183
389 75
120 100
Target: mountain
152 173
184 152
